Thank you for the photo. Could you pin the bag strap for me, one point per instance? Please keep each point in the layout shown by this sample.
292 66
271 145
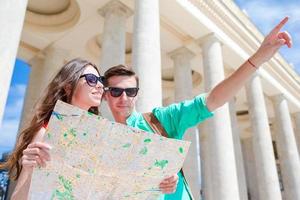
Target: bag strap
159 129
155 124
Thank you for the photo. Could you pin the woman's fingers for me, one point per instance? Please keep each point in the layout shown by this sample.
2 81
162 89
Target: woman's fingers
29 163
36 154
30 160
40 149
44 156
40 145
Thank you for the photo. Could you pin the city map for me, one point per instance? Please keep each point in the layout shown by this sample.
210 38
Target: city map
94 158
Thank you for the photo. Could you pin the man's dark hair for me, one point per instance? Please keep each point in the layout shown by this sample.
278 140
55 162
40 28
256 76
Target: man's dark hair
120 70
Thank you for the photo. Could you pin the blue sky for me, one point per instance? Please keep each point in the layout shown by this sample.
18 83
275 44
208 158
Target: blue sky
14 106
264 14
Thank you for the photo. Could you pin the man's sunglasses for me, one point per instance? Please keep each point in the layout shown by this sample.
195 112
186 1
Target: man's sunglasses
116 92
92 79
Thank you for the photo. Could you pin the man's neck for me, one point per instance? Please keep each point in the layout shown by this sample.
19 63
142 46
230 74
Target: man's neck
120 118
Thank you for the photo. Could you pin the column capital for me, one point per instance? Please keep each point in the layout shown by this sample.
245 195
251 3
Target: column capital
211 37
181 51
36 61
115 7
54 52
52 48
276 99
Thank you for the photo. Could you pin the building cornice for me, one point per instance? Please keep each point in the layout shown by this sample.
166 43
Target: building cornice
239 27
234 23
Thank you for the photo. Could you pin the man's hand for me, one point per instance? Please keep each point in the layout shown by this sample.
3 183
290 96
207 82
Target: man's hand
272 42
169 185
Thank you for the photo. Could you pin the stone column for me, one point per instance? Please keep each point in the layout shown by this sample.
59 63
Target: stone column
43 70
113 45
115 14
146 54
267 177
12 14
238 152
222 158
297 130
287 149
250 168
183 90
206 179
182 73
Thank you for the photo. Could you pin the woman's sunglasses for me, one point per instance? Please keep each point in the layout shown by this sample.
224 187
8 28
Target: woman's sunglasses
92 79
116 92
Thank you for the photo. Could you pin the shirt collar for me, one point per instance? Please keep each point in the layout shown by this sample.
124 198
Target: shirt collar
132 118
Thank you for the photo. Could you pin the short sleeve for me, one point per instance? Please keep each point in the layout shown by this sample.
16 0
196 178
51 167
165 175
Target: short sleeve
177 118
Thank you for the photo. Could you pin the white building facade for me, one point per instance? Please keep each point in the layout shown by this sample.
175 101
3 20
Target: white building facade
179 48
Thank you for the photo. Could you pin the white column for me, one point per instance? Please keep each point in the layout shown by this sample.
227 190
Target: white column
32 91
183 90
115 14
43 71
238 151
223 168
287 149
250 168
206 184
146 54
113 45
12 14
267 177
182 73
297 130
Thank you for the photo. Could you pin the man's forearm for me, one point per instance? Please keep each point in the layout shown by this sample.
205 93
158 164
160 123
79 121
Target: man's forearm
225 90
229 87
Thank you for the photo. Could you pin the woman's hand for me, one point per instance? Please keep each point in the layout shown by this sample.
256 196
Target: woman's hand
36 154
169 185
272 42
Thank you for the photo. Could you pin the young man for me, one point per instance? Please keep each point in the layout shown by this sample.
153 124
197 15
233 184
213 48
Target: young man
122 88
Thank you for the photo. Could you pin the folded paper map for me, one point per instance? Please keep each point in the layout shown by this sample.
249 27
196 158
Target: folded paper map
94 158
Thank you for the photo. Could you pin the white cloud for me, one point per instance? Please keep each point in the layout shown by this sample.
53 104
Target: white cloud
245 11
8 133
15 102
17 90
13 110
267 14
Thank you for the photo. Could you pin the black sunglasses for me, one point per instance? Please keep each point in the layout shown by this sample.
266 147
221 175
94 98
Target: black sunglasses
116 92
92 79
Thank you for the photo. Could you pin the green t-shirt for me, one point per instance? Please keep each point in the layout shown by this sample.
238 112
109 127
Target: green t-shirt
176 119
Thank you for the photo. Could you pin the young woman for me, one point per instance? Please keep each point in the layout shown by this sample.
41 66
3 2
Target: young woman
78 83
